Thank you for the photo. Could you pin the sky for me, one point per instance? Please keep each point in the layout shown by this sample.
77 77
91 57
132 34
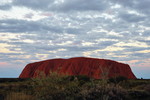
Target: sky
35 30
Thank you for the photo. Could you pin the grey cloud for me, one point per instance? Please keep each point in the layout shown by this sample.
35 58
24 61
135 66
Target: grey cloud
7 57
5 7
80 48
146 33
107 43
29 15
34 4
73 30
131 17
134 49
41 46
145 41
124 2
52 25
84 27
45 48
141 6
39 36
67 5
6 54
83 5
12 57
140 55
117 26
19 26
133 55
2 41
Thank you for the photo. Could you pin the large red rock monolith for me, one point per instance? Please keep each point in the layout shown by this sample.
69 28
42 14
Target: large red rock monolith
92 67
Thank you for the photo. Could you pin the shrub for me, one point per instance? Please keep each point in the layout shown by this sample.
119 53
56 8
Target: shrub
139 94
83 77
55 87
117 79
109 92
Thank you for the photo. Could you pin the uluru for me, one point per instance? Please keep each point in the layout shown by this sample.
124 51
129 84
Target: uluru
92 67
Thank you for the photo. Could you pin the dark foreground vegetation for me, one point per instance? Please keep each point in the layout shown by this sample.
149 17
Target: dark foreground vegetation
56 87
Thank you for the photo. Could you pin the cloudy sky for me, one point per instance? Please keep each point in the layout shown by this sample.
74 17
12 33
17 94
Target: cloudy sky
34 30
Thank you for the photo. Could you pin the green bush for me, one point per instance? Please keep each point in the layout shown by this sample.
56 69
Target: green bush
55 87
63 87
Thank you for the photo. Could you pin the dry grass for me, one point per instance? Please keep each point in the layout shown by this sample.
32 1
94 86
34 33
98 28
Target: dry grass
59 87
19 96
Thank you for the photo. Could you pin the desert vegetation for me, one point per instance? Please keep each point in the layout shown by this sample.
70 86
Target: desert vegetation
64 87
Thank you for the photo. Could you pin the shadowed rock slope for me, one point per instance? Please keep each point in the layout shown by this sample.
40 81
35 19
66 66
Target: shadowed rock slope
92 67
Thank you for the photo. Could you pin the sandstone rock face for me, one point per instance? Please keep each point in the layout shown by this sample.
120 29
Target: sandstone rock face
92 67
